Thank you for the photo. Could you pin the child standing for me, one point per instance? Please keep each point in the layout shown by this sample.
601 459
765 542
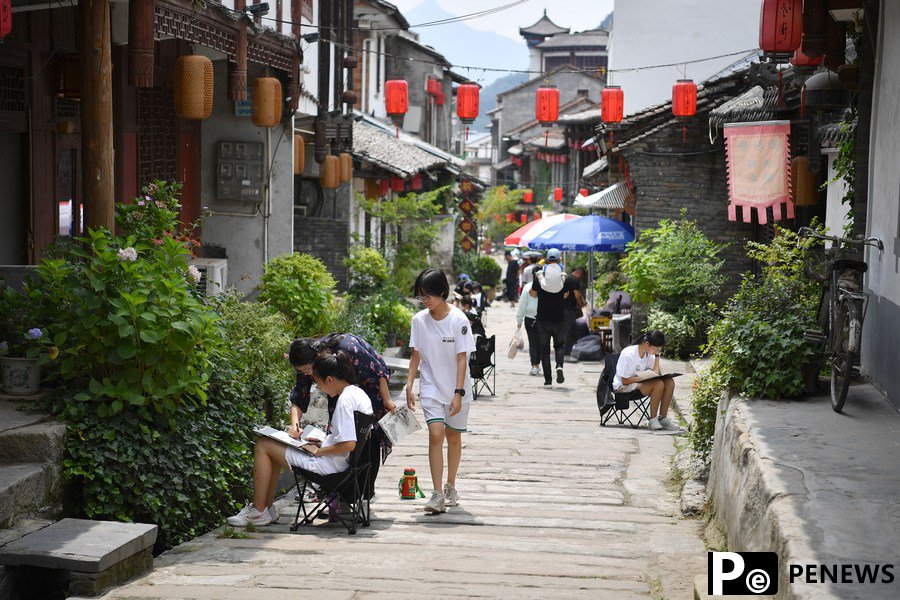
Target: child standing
441 341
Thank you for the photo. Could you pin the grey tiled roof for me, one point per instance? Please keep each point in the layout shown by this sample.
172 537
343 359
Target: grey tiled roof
375 144
591 115
585 39
544 26
833 135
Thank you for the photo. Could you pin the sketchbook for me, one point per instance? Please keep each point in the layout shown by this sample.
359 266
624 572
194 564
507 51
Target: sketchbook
400 424
649 375
310 433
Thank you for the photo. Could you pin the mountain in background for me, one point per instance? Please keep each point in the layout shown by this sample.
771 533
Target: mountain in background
607 22
462 45
488 98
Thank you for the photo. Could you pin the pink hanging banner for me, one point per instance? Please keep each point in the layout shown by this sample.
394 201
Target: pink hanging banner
759 169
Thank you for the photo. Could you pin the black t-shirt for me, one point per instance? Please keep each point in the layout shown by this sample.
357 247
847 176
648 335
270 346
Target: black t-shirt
550 305
512 271
572 284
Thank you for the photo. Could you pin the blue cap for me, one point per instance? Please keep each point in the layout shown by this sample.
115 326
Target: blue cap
553 254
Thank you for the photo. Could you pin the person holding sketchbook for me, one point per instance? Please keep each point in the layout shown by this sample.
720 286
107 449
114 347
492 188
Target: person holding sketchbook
631 374
441 341
334 375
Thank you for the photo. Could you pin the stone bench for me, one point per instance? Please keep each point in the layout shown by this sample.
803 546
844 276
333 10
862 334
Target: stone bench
81 557
399 369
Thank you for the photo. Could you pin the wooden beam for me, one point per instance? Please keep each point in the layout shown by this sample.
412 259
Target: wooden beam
140 43
96 115
237 71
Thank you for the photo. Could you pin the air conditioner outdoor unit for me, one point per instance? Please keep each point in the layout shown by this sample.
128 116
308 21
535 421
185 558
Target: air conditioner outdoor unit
213 275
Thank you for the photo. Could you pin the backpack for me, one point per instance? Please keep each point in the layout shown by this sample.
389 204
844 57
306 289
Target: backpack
552 278
590 347
606 399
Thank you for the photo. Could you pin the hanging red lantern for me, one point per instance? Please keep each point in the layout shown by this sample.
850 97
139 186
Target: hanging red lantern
509 217
583 192
467 104
546 108
612 104
684 98
439 99
432 86
780 27
528 196
5 17
384 186
557 194
803 61
396 100
371 189
416 183
397 184
523 218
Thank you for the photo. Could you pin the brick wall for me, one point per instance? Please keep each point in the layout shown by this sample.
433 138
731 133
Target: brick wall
327 240
669 174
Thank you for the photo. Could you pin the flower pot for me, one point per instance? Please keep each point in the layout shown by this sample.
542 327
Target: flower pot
21 376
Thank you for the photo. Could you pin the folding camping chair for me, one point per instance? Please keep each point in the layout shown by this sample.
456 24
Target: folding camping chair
623 406
350 486
483 366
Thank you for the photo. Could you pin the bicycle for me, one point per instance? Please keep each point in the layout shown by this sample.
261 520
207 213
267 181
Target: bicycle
842 307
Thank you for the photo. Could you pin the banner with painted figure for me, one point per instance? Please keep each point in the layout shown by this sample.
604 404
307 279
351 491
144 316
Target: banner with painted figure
759 169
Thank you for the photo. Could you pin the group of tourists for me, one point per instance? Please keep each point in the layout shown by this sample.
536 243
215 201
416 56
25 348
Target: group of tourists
354 377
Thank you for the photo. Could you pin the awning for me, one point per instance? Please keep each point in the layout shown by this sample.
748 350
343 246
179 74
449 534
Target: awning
612 197
516 150
595 168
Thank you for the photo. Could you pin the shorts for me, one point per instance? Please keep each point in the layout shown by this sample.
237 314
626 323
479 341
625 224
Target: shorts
323 465
627 388
436 412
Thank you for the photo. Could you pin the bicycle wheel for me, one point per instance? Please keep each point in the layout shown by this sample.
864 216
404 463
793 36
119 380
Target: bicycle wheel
843 351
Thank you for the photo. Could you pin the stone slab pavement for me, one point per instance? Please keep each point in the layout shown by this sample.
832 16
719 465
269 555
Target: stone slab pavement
551 506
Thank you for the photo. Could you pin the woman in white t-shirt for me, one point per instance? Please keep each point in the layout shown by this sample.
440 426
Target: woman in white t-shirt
441 341
640 357
335 376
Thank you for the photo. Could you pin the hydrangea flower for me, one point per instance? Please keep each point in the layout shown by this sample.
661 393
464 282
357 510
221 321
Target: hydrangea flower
194 274
127 254
35 333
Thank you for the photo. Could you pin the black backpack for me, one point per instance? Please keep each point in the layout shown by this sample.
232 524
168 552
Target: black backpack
605 397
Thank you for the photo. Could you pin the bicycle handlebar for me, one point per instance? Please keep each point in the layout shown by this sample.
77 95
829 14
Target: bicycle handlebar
871 241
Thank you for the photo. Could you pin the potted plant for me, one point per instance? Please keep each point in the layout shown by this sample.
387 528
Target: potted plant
21 343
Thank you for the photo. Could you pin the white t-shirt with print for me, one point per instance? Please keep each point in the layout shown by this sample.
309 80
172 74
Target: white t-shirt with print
630 364
438 343
343 425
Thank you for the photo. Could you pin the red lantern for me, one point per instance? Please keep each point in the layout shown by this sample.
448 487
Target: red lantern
528 196
546 106
5 17
397 184
684 98
523 218
612 104
439 99
780 27
416 183
801 60
384 186
583 192
557 194
396 100
432 86
467 102
509 217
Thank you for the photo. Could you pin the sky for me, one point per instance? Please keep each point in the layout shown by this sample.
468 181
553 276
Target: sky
565 13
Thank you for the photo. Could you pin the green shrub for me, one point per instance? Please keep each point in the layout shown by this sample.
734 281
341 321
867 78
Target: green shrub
368 271
254 344
302 289
151 215
129 329
708 389
677 329
487 272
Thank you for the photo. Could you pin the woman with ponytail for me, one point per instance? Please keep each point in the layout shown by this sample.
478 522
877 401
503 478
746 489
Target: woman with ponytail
335 376
640 357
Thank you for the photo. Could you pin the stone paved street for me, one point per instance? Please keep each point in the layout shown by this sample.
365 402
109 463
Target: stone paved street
552 506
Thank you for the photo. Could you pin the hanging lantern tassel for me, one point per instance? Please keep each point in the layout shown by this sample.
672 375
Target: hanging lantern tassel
684 134
802 100
467 133
547 138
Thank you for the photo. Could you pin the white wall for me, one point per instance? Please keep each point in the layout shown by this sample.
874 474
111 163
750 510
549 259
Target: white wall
652 32
835 212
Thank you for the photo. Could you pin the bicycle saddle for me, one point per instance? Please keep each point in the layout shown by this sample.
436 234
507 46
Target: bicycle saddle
847 264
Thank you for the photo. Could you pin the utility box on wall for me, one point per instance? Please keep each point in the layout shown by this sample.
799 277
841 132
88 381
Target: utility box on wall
241 171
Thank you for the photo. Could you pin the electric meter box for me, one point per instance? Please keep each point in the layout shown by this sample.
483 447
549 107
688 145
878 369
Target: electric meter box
241 171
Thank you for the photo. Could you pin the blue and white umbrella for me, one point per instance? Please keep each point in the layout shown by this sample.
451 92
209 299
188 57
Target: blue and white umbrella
591 233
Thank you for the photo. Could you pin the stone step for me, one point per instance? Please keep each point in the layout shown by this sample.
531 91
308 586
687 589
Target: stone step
22 528
27 489
40 442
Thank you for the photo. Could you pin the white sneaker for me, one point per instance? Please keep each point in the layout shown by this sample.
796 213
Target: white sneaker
534 371
655 425
451 496
273 512
667 424
249 515
436 504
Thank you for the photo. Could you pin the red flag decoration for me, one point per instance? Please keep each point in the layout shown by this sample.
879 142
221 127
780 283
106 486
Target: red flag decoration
759 173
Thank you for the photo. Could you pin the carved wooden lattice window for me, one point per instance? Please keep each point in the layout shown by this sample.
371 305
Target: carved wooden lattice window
158 137
12 89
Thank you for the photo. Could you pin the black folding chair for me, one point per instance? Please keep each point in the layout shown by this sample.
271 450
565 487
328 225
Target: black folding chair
483 366
351 486
624 406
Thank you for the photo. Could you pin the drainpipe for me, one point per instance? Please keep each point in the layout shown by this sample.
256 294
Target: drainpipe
325 23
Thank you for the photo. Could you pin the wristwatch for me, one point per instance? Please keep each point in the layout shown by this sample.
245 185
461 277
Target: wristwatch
460 391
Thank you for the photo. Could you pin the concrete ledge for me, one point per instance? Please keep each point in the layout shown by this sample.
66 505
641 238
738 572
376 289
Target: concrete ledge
795 478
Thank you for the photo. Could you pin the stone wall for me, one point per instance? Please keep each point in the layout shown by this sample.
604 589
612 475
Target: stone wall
670 174
327 240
